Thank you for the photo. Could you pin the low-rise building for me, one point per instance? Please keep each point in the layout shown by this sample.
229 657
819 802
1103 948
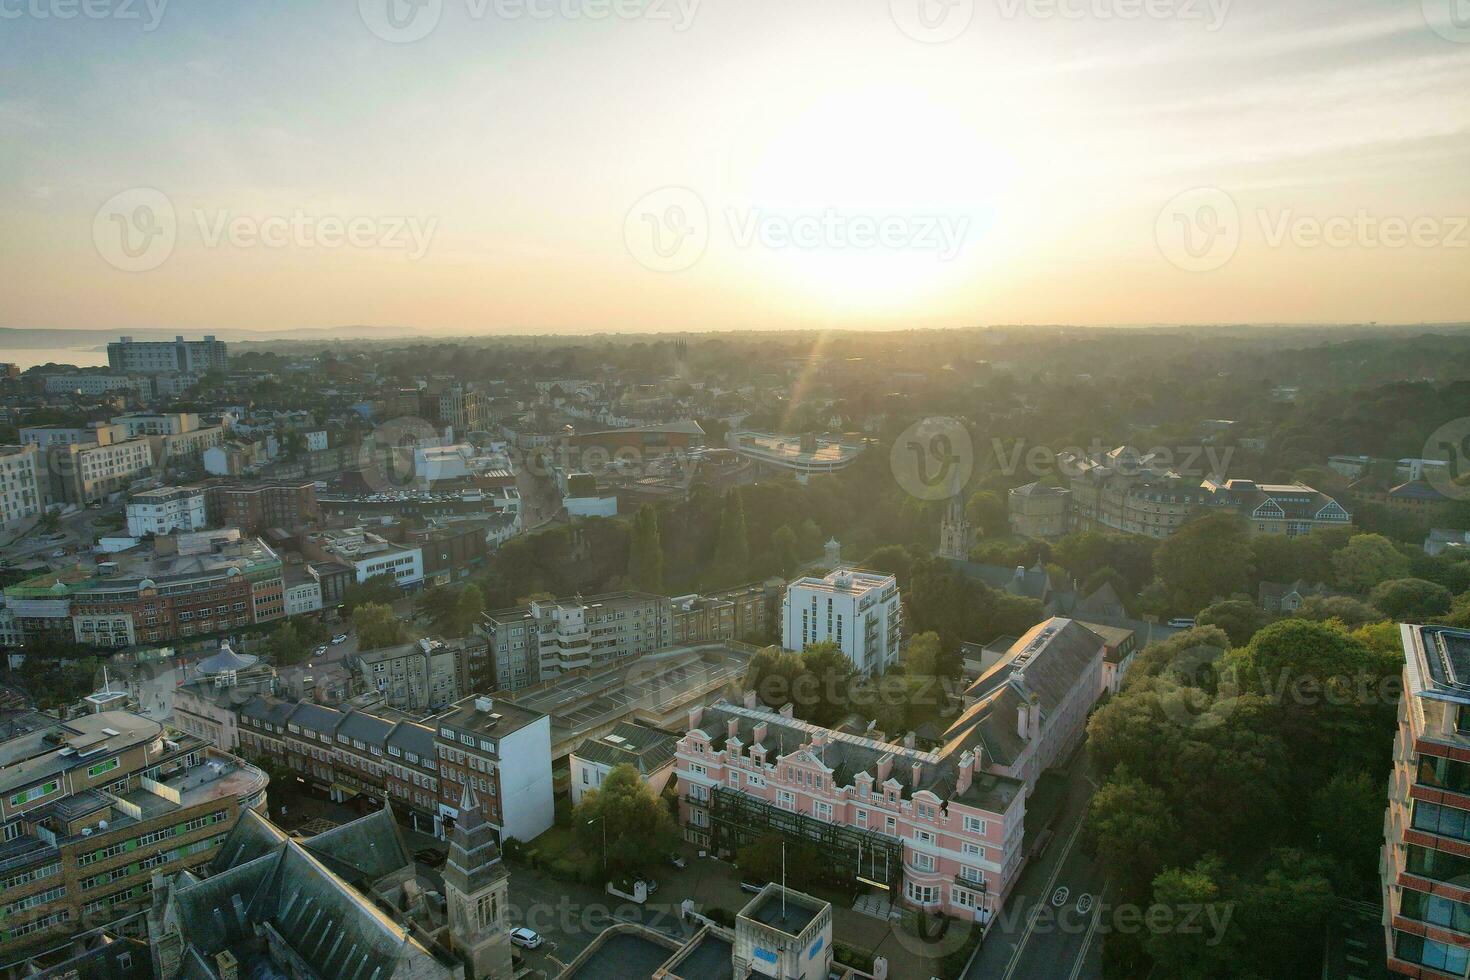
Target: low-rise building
648 750
425 675
1038 510
370 555
165 510
500 754
254 507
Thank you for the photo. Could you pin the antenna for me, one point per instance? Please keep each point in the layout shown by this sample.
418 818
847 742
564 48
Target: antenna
783 881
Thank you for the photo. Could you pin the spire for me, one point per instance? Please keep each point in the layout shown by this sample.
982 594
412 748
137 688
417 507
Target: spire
470 816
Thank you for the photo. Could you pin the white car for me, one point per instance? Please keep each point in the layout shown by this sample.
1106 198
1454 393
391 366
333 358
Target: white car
529 938
319 650
339 639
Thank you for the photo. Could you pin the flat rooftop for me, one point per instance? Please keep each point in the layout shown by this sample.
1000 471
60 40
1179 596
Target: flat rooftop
788 450
620 956
791 916
656 683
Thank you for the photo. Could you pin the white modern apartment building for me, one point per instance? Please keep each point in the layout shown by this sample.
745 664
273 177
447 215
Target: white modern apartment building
859 611
166 509
167 356
20 484
370 554
96 384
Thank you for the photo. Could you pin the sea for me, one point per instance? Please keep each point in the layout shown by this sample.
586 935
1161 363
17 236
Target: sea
27 357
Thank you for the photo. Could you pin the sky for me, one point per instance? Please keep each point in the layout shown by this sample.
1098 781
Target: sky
512 166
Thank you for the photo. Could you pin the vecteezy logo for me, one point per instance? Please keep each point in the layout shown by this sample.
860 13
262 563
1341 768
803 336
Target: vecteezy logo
1450 19
1449 447
136 229
932 21
400 21
667 230
1199 230
933 458
388 459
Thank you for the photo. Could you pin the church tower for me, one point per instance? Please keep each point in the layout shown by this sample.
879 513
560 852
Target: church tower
475 883
954 531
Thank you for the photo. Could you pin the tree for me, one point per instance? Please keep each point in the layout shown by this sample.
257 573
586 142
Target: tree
987 511
895 560
922 659
732 548
1238 618
772 675
783 547
1342 608
645 551
1410 599
377 588
1206 558
1132 831
633 822
50 521
823 700
286 645
467 609
377 626
1366 560
1189 954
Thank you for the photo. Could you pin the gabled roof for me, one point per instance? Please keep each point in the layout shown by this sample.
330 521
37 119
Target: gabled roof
363 850
646 749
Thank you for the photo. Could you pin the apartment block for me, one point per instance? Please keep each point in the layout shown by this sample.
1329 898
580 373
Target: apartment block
255 507
22 482
96 384
1425 863
93 808
82 474
426 675
178 356
502 752
165 510
859 611
540 641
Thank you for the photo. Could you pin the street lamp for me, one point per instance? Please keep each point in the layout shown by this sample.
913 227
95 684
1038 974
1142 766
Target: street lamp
604 840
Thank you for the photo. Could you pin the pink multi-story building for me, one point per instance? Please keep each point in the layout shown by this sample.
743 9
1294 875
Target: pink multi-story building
941 829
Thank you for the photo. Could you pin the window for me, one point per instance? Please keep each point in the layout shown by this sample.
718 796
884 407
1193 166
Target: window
1435 909
1447 821
974 825
786 799
922 894
1439 865
923 837
822 811
1427 952
34 793
923 862
101 767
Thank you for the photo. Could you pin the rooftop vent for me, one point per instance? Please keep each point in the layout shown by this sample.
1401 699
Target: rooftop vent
484 704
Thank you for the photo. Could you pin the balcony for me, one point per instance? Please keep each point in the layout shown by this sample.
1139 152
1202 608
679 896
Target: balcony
979 887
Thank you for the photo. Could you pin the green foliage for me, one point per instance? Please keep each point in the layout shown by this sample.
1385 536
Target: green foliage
378 588
783 547
1207 558
645 551
922 658
377 627
987 512
1239 619
1410 599
732 549
1366 560
625 814
1340 608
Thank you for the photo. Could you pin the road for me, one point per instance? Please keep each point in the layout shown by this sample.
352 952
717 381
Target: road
1036 939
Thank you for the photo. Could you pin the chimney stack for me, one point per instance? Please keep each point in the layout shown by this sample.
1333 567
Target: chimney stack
1023 722
965 773
732 727
750 699
695 714
1035 717
786 710
758 734
885 768
916 771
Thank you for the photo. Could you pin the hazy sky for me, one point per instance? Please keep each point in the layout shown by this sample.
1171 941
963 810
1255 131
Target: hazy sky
530 165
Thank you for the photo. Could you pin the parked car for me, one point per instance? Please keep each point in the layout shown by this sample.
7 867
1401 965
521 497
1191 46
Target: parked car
59 553
339 639
678 862
1182 622
319 650
528 938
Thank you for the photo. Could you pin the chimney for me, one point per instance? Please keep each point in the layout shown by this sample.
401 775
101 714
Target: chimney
732 727
885 769
915 771
1023 722
908 740
484 704
965 772
758 734
695 714
1035 717
786 710
750 699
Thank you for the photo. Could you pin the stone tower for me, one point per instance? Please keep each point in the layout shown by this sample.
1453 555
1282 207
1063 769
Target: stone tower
954 531
475 883
832 552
